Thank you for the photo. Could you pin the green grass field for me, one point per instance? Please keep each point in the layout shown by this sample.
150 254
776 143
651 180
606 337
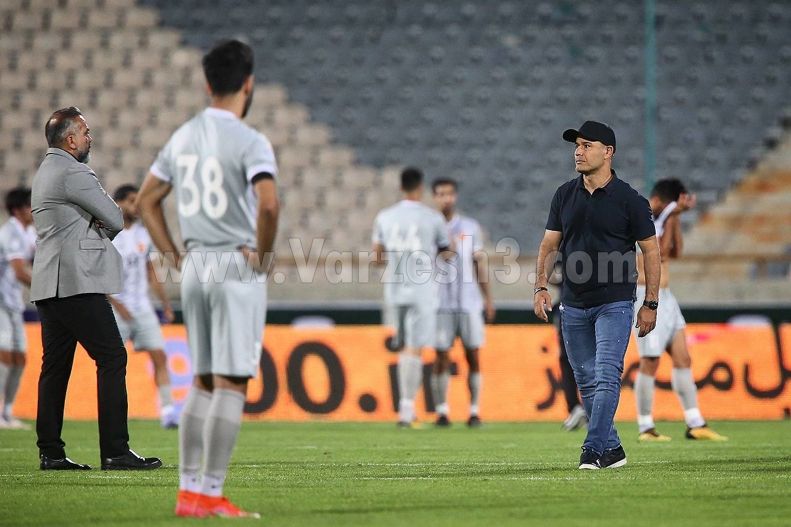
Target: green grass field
323 474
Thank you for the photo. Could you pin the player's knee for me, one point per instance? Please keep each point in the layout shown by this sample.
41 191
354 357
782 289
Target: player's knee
472 359
158 358
204 382
228 382
682 361
442 362
649 365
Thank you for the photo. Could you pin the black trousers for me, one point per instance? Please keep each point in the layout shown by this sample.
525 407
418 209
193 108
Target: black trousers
567 380
87 319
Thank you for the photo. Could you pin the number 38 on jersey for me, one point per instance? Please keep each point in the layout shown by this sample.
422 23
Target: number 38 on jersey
208 195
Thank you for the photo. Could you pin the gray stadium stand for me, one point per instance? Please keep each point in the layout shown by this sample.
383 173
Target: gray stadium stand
481 91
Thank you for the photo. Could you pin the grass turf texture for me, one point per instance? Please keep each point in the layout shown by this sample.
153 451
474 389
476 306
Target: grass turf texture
374 474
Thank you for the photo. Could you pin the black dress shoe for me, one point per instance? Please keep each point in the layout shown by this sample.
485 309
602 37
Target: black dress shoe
130 461
64 463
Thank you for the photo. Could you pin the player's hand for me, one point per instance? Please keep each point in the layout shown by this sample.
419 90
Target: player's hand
258 263
489 311
646 321
542 303
123 312
168 314
686 202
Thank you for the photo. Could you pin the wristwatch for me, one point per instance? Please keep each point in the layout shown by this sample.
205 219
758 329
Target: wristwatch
651 304
538 289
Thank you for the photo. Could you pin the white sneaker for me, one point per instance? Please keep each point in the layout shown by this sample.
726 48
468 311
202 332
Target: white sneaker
575 419
4 425
12 423
168 417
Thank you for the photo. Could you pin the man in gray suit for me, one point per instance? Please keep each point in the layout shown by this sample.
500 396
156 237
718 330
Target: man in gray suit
75 267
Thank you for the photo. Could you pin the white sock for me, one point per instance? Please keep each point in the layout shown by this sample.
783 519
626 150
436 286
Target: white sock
683 384
644 394
439 387
193 417
11 388
645 422
219 437
406 410
694 418
410 377
5 370
165 397
474 382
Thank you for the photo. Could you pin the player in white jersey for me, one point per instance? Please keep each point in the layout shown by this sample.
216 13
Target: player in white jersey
17 245
669 198
411 235
464 296
136 318
224 174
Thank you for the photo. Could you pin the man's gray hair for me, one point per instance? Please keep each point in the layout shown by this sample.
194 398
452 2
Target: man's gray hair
60 124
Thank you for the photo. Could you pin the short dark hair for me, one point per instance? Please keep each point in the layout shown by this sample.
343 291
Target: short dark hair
16 198
59 124
122 192
444 181
227 66
669 189
411 178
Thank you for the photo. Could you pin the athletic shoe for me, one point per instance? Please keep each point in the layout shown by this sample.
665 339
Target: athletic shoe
652 435
414 425
442 421
589 460
187 505
221 507
575 419
613 458
16 424
12 423
474 421
168 418
704 433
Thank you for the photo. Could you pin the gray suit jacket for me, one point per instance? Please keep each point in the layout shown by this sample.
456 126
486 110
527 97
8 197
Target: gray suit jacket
74 255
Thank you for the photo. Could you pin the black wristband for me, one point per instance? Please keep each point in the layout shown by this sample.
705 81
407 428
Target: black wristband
537 289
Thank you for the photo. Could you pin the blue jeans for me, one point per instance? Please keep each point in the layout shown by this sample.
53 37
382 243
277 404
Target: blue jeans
596 339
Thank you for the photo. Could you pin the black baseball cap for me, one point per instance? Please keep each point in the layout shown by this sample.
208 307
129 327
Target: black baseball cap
592 131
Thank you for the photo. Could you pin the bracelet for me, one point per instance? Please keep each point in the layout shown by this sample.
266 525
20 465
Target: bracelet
538 289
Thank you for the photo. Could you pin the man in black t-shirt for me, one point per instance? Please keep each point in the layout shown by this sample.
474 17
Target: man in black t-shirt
595 220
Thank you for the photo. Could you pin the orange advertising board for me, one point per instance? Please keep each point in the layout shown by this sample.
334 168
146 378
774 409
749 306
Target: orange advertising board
345 373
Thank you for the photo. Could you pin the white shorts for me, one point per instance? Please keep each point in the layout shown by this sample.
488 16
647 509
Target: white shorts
669 321
143 330
463 324
415 325
12 331
224 311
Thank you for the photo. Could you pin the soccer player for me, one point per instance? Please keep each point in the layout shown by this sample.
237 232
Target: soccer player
412 234
464 296
137 321
17 245
224 175
669 198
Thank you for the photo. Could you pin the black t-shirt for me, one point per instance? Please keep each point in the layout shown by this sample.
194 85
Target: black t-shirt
599 235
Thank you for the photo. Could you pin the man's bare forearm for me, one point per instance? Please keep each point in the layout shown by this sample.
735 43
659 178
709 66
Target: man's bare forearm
266 229
481 269
546 251
153 217
653 271
156 285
